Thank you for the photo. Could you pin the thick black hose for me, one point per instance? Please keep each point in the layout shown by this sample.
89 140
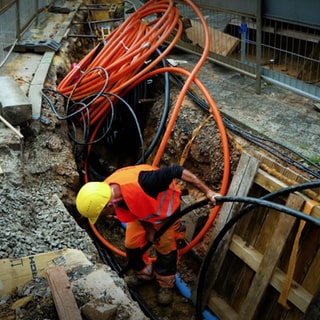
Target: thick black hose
164 116
283 191
232 221
269 204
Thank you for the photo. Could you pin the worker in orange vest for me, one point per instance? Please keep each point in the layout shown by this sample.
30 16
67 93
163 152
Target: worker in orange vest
143 197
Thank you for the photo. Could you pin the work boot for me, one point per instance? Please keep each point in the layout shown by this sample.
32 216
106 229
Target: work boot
140 277
134 282
165 296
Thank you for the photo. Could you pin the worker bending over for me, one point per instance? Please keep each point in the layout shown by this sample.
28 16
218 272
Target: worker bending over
143 197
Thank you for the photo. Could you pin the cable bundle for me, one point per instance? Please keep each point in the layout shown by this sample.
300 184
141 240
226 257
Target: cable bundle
120 60
118 64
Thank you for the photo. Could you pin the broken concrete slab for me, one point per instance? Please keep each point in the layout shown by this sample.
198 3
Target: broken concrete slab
15 107
104 285
99 310
9 138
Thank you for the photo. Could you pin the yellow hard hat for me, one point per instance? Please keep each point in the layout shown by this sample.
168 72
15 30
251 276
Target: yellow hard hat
92 198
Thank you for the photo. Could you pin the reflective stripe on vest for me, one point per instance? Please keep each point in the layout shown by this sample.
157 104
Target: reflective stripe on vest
169 210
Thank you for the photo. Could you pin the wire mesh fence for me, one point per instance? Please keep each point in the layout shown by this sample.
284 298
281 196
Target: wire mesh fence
287 53
15 16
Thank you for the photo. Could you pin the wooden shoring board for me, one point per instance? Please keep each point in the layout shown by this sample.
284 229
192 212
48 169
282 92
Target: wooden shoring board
240 186
272 184
298 296
62 295
220 42
270 260
308 72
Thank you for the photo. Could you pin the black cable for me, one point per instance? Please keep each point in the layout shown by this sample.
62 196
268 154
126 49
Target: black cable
284 191
207 260
255 138
272 205
273 150
134 117
86 125
164 115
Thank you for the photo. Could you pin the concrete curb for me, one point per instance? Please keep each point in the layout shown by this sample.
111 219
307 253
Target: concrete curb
41 73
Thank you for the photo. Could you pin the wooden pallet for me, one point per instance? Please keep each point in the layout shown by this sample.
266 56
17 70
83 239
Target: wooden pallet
220 42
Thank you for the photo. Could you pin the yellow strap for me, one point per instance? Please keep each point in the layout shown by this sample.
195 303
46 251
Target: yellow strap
194 135
309 205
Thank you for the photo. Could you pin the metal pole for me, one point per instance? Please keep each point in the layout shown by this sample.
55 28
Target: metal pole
258 47
18 26
243 39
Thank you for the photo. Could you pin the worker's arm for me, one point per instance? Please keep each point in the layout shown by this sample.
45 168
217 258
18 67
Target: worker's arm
153 182
193 179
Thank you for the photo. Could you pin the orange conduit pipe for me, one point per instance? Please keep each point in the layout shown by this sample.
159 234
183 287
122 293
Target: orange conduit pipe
125 51
124 72
225 146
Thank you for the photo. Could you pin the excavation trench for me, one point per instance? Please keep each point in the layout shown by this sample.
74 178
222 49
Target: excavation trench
139 122
56 165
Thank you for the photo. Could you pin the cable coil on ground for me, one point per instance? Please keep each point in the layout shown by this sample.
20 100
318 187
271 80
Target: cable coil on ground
126 55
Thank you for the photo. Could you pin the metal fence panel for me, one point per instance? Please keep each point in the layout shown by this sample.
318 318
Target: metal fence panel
279 51
15 16
7 29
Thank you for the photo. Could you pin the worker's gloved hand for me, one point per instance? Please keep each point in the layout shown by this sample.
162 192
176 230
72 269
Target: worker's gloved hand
211 195
150 231
151 235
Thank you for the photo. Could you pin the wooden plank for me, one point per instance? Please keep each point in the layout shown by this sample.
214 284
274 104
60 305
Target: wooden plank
270 183
269 261
17 272
297 295
62 295
220 42
311 280
221 309
240 186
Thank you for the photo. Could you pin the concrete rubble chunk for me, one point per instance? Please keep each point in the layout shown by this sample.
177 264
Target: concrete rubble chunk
9 138
107 290
99 310
15 107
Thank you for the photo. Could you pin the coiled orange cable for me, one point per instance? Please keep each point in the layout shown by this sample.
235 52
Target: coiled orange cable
123 55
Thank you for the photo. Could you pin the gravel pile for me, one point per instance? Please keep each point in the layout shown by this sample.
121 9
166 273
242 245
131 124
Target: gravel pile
35 221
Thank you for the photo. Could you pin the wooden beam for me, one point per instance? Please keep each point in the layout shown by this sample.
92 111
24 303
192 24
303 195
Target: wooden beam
221 43
221 308
240 186
298 296
269 261
62 295
271 184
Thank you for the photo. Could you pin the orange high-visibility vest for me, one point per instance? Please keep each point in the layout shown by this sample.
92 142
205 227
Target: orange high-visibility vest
140 205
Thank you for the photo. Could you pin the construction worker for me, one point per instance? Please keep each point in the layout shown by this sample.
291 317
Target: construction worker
143 196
